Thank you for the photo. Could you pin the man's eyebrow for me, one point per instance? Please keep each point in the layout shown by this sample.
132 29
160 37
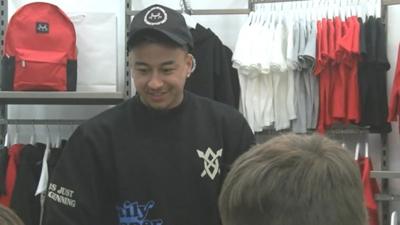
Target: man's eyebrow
167 63
141 64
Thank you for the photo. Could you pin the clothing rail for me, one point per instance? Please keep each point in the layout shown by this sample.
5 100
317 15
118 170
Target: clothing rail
384 2
386 174
387 197
185 7
39 122
205 11
337 130
252 2
390 2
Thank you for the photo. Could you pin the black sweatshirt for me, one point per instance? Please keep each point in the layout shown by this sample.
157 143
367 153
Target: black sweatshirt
134 165
213 75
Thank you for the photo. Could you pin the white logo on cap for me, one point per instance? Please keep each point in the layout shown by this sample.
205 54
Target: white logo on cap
155 16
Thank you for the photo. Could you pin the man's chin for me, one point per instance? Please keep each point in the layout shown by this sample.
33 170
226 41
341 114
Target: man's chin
157 105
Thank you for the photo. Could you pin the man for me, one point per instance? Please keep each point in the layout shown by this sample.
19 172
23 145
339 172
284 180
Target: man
292 180
159 158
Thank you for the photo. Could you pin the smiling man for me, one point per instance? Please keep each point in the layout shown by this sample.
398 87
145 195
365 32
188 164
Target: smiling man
160 157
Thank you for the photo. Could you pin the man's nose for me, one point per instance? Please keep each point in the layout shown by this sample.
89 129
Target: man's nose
155 81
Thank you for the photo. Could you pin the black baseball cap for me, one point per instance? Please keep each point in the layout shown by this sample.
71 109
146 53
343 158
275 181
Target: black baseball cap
164 20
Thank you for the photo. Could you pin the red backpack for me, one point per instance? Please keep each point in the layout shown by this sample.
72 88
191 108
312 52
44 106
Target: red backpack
39 50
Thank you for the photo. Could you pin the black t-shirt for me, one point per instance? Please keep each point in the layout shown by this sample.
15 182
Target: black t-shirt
23 200
212 77
234 77
3 169
372 78
135 165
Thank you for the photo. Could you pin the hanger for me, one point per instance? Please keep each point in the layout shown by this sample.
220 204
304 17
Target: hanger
353 9
48 143
357 151
250 18
330 12
260 17
371 11
364 11
15 140
6 140
48 138
58 138
264 14
32 139
393 218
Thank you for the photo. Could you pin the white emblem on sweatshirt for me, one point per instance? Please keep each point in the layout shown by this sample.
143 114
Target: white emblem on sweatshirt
211 163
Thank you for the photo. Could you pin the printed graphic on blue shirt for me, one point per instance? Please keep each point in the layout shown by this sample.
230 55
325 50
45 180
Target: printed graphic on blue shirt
133 213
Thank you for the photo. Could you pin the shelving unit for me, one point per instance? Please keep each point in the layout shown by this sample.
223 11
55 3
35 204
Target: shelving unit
56 98
61 98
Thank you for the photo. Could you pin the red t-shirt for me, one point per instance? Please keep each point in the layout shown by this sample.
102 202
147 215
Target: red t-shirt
12 167
349 48
353 107
338 89
323 70
394 104
370 189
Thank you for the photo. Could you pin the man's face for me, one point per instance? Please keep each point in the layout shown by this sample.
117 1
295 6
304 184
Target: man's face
159 73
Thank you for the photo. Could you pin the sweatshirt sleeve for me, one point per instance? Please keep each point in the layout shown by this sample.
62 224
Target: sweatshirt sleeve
238 138
77 192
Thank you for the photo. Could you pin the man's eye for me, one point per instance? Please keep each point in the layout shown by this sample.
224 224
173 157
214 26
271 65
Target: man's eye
168 70
142 70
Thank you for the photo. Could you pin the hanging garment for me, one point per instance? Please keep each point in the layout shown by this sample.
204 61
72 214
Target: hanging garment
394 106
212 76
41 189
324 72
370 189
11 175
349 44
252 60
306 84
23 201
234 77
54 157
280 77
3 169
372 78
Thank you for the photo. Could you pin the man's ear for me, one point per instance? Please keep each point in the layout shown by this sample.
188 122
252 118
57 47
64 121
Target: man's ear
191 64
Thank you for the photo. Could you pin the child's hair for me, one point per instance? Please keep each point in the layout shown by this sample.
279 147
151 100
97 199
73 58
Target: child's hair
8 217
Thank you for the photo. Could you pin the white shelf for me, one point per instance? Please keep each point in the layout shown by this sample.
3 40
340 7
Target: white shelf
387 197
61 98
385 174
